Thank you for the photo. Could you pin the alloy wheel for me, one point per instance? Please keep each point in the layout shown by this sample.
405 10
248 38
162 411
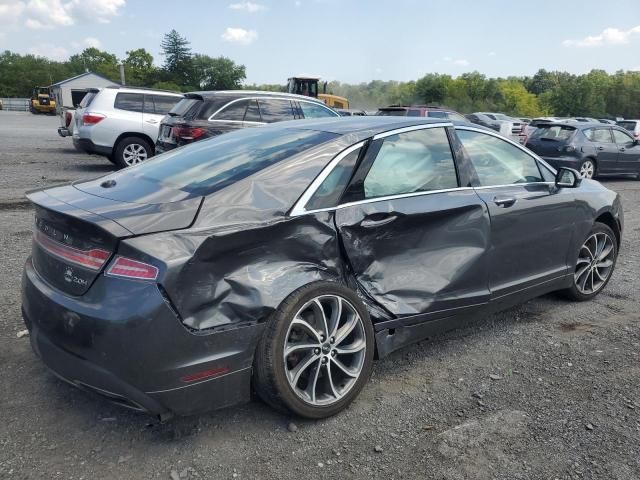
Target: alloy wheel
595 263
324 350
587 169
134 153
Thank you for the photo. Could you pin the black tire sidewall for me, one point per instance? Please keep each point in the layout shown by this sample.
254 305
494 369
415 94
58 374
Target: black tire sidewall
595 166
573 291
271 348
122 144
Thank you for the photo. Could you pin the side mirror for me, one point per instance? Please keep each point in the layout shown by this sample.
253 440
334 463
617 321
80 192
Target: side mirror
568 178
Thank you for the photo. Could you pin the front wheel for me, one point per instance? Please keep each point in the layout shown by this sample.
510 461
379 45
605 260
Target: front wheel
588 169
131 151
596 261
316 354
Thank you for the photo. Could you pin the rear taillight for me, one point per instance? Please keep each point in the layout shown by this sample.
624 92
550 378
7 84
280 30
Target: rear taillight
187 133
128 268
93 259
567 149
92 118
67 119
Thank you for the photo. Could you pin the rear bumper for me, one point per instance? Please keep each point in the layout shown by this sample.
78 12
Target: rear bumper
87 145
162 147
131 348
64 132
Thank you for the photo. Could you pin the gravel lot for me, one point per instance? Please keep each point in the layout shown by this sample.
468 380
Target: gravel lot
547 390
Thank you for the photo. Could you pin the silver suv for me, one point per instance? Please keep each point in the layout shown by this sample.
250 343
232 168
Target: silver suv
122 123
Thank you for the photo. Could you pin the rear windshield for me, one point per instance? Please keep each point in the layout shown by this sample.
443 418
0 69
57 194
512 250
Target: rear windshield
184 106
392 112
631 126
537 123
207 166
559 133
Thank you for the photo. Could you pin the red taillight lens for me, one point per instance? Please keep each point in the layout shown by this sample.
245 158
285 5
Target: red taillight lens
214 372
188 133
128 268
92 259
67 119
92 118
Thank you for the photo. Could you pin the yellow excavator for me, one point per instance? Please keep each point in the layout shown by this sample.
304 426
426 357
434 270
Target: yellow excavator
42 101
308 86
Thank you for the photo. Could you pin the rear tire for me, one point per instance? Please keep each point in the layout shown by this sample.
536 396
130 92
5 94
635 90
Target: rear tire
588 168
316 365
130 151
596 262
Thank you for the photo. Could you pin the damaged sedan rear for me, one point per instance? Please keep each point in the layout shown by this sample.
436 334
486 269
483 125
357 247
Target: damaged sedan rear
285 258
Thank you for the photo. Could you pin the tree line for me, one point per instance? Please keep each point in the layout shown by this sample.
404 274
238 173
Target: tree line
182 69
594 94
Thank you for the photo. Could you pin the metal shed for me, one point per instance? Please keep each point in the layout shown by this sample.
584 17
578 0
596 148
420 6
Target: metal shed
69 92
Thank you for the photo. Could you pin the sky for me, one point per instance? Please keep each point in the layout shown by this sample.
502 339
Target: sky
347 40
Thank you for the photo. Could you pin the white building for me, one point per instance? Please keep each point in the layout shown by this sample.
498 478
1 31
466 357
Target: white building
69 92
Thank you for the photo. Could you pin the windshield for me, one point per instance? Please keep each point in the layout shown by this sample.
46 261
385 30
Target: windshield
559 133
631 126
205 167
392 112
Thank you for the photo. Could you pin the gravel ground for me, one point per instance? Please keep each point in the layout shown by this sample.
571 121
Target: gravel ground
548 390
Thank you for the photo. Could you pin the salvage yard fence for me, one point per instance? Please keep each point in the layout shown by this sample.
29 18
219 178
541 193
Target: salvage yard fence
15 104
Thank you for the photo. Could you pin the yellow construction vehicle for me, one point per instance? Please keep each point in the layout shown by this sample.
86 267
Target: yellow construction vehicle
308 86
42 101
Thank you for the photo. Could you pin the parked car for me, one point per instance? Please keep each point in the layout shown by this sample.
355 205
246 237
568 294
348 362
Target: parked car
281 258
351 112
122 123
67 114
632 126
536 122
420 111
591 148
203 115
508 125
608 121
482 119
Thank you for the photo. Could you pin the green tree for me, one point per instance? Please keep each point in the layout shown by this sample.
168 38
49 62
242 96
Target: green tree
95 60
177 58
219 73
433 87
139 69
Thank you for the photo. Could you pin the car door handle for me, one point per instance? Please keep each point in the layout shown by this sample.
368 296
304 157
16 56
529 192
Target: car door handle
623 149
151 120
504 202
378 223
600 148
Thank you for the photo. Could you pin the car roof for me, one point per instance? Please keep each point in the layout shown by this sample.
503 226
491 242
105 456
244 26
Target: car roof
209 94
127 89
418 107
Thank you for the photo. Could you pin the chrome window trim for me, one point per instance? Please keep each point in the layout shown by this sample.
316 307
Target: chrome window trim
515 144
299 207
269 97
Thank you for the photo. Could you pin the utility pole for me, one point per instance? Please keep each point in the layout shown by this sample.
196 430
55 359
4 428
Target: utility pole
122 74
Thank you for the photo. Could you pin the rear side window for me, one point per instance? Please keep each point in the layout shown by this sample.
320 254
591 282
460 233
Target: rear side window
598 135
560 133
329 192
131 102
205 167
234 111
253 112
498 162
412 112
415 161
314 110
211 106
631 126
275 110
163 103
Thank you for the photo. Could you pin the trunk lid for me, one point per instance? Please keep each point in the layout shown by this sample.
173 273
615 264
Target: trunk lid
78 227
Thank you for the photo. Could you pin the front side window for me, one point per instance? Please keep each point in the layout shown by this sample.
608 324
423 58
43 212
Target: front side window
621 137
313 110
132 102
234 111
498 162
275 110
415 161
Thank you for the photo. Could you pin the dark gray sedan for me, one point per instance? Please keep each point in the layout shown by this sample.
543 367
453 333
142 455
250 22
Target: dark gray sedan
285 257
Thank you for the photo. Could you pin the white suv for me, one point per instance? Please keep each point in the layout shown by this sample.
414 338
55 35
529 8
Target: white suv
122 123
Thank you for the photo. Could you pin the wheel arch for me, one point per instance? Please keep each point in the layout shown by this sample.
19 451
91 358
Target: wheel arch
609 220
143 136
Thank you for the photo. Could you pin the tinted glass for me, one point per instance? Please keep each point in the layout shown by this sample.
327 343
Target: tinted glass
536 123
412 112
392 112
253 112
631 126
185 107
416 161
87 99
599 135
313 110
560 133
164 103
621 137
275 110
205 167
211 106
498 162
437 114
234 111
131 102
329 192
